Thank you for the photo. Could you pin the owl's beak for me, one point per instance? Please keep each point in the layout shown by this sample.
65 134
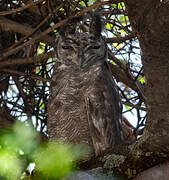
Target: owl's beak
81 58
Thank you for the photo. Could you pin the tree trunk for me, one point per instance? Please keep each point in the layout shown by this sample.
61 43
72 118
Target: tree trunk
152 26
150 21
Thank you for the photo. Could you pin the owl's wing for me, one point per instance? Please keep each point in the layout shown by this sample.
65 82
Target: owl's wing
104 111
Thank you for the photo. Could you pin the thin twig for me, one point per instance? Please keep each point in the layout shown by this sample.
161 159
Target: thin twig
30 60
96 5
36 29
32 76
134 106
121 39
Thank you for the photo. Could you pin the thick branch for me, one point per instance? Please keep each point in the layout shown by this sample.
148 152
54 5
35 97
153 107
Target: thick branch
34 39
9 25
122 76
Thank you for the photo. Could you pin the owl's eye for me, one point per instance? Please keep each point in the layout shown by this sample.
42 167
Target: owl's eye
67 47
96 47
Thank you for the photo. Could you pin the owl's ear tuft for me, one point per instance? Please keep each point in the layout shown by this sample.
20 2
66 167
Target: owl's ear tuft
97 24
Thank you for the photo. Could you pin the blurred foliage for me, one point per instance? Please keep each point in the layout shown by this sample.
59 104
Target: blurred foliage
21 137
16 148
19 147
55 159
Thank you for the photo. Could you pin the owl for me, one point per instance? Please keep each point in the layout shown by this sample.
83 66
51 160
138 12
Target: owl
84 104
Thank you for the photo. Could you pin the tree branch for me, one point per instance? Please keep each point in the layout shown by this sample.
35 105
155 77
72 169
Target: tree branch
121 39
14 11
123 74
9 25
32 76
96 5
30 60
134 106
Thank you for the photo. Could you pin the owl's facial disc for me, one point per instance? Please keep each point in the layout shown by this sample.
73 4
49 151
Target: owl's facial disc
66 51
92 51
81 49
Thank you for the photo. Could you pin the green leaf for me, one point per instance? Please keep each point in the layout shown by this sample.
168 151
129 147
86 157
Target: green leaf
117 45
41 50
109 26
90 2
42 105
142 80
121 5
129 109
61 9
42 44
82 3
121 18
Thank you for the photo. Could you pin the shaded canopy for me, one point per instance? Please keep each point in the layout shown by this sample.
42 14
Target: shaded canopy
28 30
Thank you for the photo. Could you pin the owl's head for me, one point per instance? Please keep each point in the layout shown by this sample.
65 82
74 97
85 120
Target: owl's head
82 49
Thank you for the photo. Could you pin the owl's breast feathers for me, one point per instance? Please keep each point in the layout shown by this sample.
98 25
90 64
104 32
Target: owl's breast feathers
85 107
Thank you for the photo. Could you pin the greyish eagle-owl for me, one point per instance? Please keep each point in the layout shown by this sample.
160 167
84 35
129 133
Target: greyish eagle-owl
84 104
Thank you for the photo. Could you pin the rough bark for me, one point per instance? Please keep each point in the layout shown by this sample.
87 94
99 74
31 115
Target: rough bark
152 25
150 20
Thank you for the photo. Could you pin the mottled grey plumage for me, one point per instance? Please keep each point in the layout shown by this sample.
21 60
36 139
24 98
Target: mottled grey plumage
84 104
